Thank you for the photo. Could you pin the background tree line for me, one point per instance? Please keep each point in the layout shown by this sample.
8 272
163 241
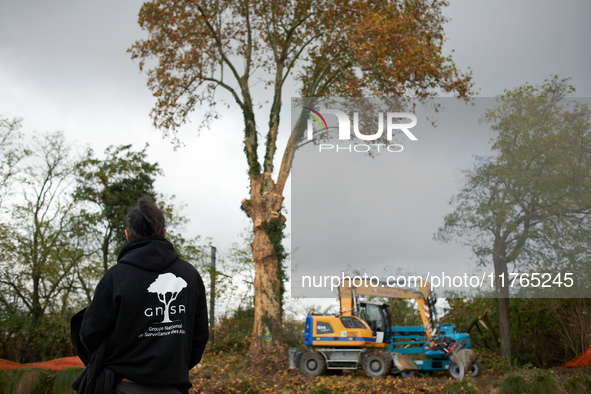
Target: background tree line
527 208
62 215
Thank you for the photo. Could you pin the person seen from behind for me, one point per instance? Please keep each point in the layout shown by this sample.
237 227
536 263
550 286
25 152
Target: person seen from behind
147 323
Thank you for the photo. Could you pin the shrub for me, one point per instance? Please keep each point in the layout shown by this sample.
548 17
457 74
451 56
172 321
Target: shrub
24 341
544 383
64 379
580 384
30 380
293 331
540 382
233 333
5 377
513 384
466 386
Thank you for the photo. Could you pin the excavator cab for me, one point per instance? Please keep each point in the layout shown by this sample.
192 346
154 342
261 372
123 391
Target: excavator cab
377 316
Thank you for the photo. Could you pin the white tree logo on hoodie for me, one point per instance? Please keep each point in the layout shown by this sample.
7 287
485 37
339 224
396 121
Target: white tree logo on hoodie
164 284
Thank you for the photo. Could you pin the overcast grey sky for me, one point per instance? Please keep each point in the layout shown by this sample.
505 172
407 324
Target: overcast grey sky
378 215
507 43
64 66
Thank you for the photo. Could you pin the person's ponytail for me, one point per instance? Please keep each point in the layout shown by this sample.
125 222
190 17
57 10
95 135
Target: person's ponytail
145 220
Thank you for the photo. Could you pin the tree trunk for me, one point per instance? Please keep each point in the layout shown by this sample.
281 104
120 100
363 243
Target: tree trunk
36 309
105 248
267 344
502 289
504 330
267 335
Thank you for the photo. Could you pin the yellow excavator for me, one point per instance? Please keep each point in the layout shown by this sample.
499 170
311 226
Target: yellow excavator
363 329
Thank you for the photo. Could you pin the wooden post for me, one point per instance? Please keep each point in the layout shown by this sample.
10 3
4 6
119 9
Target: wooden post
212 296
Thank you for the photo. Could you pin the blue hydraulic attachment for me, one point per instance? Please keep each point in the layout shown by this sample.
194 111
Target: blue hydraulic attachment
411 340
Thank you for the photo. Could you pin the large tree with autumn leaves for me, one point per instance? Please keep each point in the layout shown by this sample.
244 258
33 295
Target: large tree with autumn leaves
345 48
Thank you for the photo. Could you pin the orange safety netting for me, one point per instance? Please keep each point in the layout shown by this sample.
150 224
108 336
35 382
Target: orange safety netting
582 360
56 365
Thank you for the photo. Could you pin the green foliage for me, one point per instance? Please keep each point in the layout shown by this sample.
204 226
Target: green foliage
251 385
63 380
466 386
494 362
61 231
536 186
42 253
476 316
322 389
111 187
544 332
549 332
404 312
529 204
30 380
5 377
580 384
513 384
24 340
274 230
38 381
293 331
51 337
12 152
235 274
538 382
545 383
233 333
533 332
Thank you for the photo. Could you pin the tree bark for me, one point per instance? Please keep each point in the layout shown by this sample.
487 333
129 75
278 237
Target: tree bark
502 289
267 344
105 249
504 330
36 310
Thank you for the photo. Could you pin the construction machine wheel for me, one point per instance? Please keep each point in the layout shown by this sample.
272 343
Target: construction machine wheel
312 364
454 370
476 368
377 365
407 374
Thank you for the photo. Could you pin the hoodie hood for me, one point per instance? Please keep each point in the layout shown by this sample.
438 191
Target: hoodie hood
151 254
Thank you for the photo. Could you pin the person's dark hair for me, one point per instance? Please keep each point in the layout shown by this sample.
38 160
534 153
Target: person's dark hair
145 220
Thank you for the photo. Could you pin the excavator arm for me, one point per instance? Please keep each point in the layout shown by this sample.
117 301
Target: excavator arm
348 297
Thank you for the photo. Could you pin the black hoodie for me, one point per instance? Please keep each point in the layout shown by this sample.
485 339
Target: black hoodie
151 306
